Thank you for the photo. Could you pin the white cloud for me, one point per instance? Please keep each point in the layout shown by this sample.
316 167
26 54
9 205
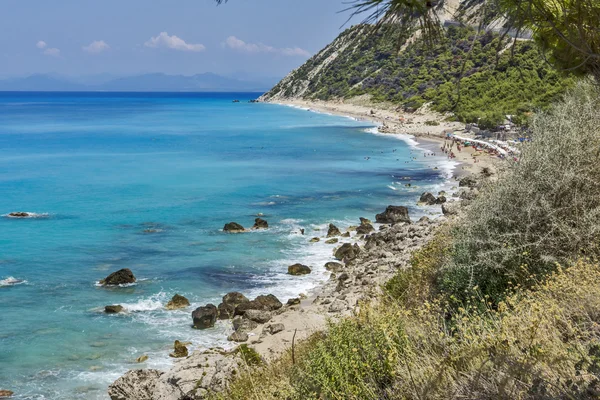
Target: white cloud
238 44
96 47
41 44
54 52
173 42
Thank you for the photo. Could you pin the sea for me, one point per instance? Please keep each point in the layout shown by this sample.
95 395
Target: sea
146 181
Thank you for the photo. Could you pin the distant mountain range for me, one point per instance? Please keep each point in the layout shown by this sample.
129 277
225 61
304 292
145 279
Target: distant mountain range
156 82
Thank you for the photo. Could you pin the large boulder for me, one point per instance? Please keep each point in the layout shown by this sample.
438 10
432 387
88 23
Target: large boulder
347 252
334 266
393 215
114 309
177 302
243 324
258 316
264 303
121 277
205 317
299 269
365 229
230 302
333 231
260 223
233 227
180 350
428 198
19 214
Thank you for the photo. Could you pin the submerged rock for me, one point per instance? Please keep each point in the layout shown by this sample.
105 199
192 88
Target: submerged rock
180 350
233 227
205 317
332 241
299 269
230 301
315 240
141 359
114 309
121 277
393 215
19 214
333 231
260 223
177 302
6 393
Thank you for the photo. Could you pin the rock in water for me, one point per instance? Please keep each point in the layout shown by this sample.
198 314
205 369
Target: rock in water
364 221
238 337
347 252
19 214
427 198
264 303
315 240
205 317
334 266
393 215
230 302
177 302
332 241
115 309
233 227
141 359
365 229
333 231
299 269
440 200
121 277
5 393
260 223
180 350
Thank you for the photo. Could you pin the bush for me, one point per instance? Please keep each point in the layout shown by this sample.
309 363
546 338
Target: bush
545 210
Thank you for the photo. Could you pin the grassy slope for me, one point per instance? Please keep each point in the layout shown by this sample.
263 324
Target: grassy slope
524 325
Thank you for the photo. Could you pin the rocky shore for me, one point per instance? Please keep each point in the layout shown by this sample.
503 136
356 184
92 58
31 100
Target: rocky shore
368 255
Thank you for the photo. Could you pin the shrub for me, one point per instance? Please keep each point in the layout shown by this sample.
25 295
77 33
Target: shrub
545 210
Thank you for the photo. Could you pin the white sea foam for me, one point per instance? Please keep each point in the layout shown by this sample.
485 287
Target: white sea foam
392 187
12 281
152 303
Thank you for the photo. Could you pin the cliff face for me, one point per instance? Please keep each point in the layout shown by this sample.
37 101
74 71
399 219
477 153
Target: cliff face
464 71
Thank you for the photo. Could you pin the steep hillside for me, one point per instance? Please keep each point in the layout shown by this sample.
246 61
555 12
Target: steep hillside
476 76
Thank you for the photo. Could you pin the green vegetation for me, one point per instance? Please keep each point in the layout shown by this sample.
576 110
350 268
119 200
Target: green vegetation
462 73
503 303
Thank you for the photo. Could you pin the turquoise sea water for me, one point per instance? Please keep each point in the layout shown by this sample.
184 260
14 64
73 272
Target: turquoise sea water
101 168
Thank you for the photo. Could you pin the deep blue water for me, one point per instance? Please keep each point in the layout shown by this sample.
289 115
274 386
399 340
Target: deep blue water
104 167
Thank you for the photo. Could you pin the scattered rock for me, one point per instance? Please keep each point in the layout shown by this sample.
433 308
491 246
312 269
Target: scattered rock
238 337
332 241
299 269
230 302
205 317
450 208
141 359
337 306
333 231
264 303
114 309
346 234
440 200
243 324
424 220
365 221
347 252
293 302
315 240
365 229
180 350
468 194
233 227
275 328
260 223
428 198
334 266
177 302
258 316
468 181
121 277
393 215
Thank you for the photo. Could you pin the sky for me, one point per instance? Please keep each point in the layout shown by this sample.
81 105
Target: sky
243 38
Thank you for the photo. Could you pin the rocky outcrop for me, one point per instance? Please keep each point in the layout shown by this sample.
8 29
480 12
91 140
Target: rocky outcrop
315 240
177 302
260 223
365 228
205 317
230 302
451 208
393 215
468 181
299 269
114 309
180 350
233 227
264 303
347 252
193 378
334 266
333 231
121 277
428 198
